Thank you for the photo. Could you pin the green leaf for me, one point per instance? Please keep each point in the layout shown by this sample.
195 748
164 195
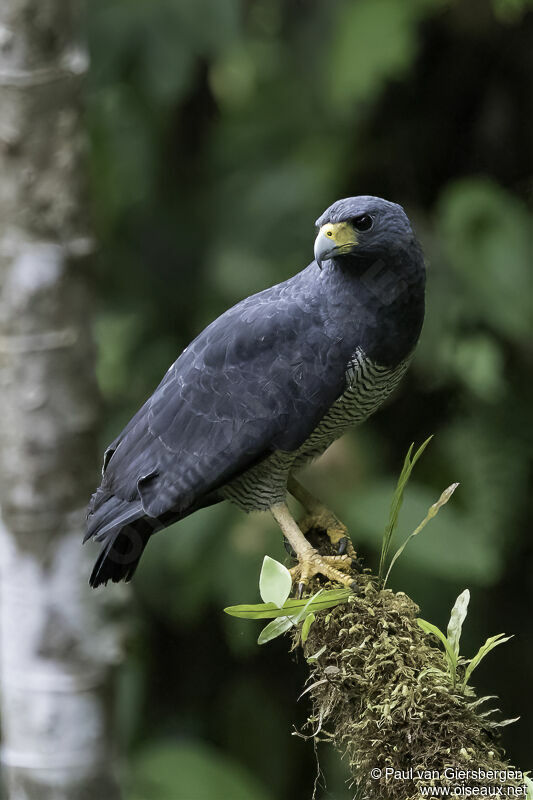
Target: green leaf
432 512
397 501
328 599
529 785
306 627
282 624
490 644
274 582
463 545
274 629
316 656
311 601
457 617
428 627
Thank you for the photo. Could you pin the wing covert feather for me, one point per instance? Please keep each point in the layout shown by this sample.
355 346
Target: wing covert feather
259 378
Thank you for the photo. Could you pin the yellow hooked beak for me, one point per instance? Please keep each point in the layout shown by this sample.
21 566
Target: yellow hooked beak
334 239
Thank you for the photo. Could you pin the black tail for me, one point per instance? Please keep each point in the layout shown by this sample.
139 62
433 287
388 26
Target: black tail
124 530
121 552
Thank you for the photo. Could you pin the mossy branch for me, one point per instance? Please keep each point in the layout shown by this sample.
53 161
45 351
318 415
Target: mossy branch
381 693
388 689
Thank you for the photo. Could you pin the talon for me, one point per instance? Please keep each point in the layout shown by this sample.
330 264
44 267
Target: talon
334 529
314 564
343 544
335 568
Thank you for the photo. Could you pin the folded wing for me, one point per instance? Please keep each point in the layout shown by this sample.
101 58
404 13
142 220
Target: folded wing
259 378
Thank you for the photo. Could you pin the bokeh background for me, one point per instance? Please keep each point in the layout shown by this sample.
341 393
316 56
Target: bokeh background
219 131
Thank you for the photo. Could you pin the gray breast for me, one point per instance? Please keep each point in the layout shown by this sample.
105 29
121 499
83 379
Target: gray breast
367 385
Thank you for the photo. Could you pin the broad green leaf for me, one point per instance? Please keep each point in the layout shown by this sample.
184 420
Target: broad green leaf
282 624
306 627
275 629
432 512
457 617
274 582
327 599
490 644
397 501
529 784
428 627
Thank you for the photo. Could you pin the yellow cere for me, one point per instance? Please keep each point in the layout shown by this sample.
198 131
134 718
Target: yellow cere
340 233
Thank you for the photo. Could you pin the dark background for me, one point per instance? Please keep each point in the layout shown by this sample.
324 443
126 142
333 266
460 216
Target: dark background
220 129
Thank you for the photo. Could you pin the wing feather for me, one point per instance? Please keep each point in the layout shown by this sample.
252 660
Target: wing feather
259 378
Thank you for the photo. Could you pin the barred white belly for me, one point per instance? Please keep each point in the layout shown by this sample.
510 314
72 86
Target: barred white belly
367 385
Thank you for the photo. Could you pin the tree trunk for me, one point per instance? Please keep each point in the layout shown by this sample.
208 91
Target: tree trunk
56 651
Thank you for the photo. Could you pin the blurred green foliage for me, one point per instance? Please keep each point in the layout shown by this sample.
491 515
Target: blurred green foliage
185 771
220 129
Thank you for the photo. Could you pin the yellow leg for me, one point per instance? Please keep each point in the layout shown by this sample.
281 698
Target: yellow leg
310 562
318 516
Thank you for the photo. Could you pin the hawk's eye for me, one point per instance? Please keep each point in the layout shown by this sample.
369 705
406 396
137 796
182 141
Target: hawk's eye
363 223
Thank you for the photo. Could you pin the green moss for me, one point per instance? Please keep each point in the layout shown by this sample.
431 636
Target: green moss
381 694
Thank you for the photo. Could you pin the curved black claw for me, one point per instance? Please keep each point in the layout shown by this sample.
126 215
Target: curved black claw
300 590
343 544
288 547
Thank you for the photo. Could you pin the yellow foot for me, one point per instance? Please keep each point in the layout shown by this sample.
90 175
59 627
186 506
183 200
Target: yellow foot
312 563
336 531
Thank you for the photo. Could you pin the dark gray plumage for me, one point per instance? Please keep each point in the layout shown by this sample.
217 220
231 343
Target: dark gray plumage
233 414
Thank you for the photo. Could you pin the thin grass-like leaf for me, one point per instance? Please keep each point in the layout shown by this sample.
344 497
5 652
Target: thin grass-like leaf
316 656
432 512
397 501
490 644
457 617
306 627
311 601
428 627
327 599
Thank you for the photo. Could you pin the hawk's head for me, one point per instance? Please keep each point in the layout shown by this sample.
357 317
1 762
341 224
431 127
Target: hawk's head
362 226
